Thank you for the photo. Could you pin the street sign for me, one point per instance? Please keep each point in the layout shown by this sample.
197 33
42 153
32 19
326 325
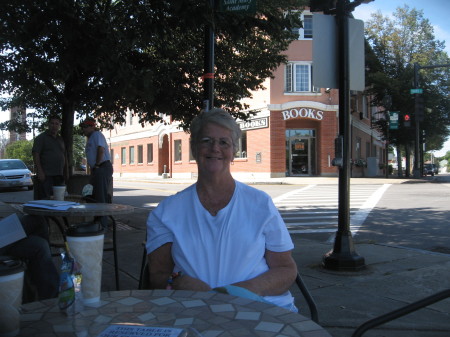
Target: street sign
416 91
393 120
238 6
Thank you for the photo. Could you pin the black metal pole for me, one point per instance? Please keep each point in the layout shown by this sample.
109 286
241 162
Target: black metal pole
343 256
208 76
386 154
416 170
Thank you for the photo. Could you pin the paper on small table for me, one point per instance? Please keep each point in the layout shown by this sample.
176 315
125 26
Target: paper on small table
123 330
11 230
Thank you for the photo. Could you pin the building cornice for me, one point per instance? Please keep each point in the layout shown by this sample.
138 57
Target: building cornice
303 104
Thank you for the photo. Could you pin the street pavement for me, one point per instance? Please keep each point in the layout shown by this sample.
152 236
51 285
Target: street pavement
392 278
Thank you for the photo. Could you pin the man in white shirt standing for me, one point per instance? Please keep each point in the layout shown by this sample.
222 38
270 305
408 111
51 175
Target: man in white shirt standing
99 160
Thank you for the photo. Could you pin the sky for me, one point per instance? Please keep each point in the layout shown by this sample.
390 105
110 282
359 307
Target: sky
436 11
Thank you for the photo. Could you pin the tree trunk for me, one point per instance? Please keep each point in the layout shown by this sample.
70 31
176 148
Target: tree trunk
399 162
408 160
67 131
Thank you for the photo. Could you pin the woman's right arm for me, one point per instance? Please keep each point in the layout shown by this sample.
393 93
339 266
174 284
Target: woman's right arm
161 267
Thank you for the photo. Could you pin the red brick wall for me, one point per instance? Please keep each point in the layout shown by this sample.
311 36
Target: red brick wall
278 143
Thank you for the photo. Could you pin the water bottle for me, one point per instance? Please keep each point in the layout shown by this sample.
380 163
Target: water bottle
77 278
70 299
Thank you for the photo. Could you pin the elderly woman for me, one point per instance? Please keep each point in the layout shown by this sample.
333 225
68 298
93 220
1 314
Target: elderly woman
220 234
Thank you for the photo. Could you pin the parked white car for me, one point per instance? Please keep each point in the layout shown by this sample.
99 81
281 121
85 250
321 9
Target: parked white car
14 173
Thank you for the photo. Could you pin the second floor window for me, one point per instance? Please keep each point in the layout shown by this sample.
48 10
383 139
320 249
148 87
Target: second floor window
298 77
307 31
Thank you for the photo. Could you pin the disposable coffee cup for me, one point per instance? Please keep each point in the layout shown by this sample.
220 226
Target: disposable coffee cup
11 285
59 192
86 246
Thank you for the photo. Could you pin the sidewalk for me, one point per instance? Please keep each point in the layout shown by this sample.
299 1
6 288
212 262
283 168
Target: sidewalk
291 180
393 277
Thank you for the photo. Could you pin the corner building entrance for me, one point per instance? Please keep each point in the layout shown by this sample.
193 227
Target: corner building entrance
300 152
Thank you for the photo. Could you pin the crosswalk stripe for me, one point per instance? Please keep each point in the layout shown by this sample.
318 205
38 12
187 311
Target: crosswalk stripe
307 209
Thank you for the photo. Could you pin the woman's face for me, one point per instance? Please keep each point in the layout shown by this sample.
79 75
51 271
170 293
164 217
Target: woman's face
214 150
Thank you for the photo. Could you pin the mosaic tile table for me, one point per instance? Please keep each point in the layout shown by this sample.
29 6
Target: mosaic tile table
211 314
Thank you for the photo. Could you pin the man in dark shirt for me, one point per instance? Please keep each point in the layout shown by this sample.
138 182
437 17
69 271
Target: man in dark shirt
50 160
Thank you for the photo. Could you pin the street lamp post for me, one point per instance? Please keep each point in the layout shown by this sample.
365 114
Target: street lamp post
343 256
208 76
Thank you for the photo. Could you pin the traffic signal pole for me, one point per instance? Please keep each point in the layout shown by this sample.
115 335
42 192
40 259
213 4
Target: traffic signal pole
417 172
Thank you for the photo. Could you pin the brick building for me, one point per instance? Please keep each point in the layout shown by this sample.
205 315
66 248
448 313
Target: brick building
292 134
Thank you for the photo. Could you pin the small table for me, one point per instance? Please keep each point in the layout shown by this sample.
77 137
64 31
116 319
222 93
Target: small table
86 210
94 209
211 314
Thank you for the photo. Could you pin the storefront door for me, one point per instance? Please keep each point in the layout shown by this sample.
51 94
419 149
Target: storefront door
300 152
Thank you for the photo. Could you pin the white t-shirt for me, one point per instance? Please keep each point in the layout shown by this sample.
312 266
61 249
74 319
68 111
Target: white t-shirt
95 140
222 249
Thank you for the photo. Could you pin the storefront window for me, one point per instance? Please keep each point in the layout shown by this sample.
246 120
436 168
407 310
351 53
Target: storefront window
177 149
123 151
140 154
149 153
242 146
131 155
358 148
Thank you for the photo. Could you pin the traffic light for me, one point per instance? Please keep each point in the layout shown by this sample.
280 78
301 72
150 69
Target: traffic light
407 120
419 107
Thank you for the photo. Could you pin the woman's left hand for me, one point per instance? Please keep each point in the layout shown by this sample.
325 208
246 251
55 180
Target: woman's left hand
186 282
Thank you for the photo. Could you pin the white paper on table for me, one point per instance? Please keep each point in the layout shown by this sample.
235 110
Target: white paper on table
11 230
58 205
136 330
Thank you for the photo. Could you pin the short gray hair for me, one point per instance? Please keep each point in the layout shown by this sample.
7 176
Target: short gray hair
217 116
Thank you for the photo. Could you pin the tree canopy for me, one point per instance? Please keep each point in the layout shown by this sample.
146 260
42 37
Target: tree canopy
396 44
21 149
104 57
